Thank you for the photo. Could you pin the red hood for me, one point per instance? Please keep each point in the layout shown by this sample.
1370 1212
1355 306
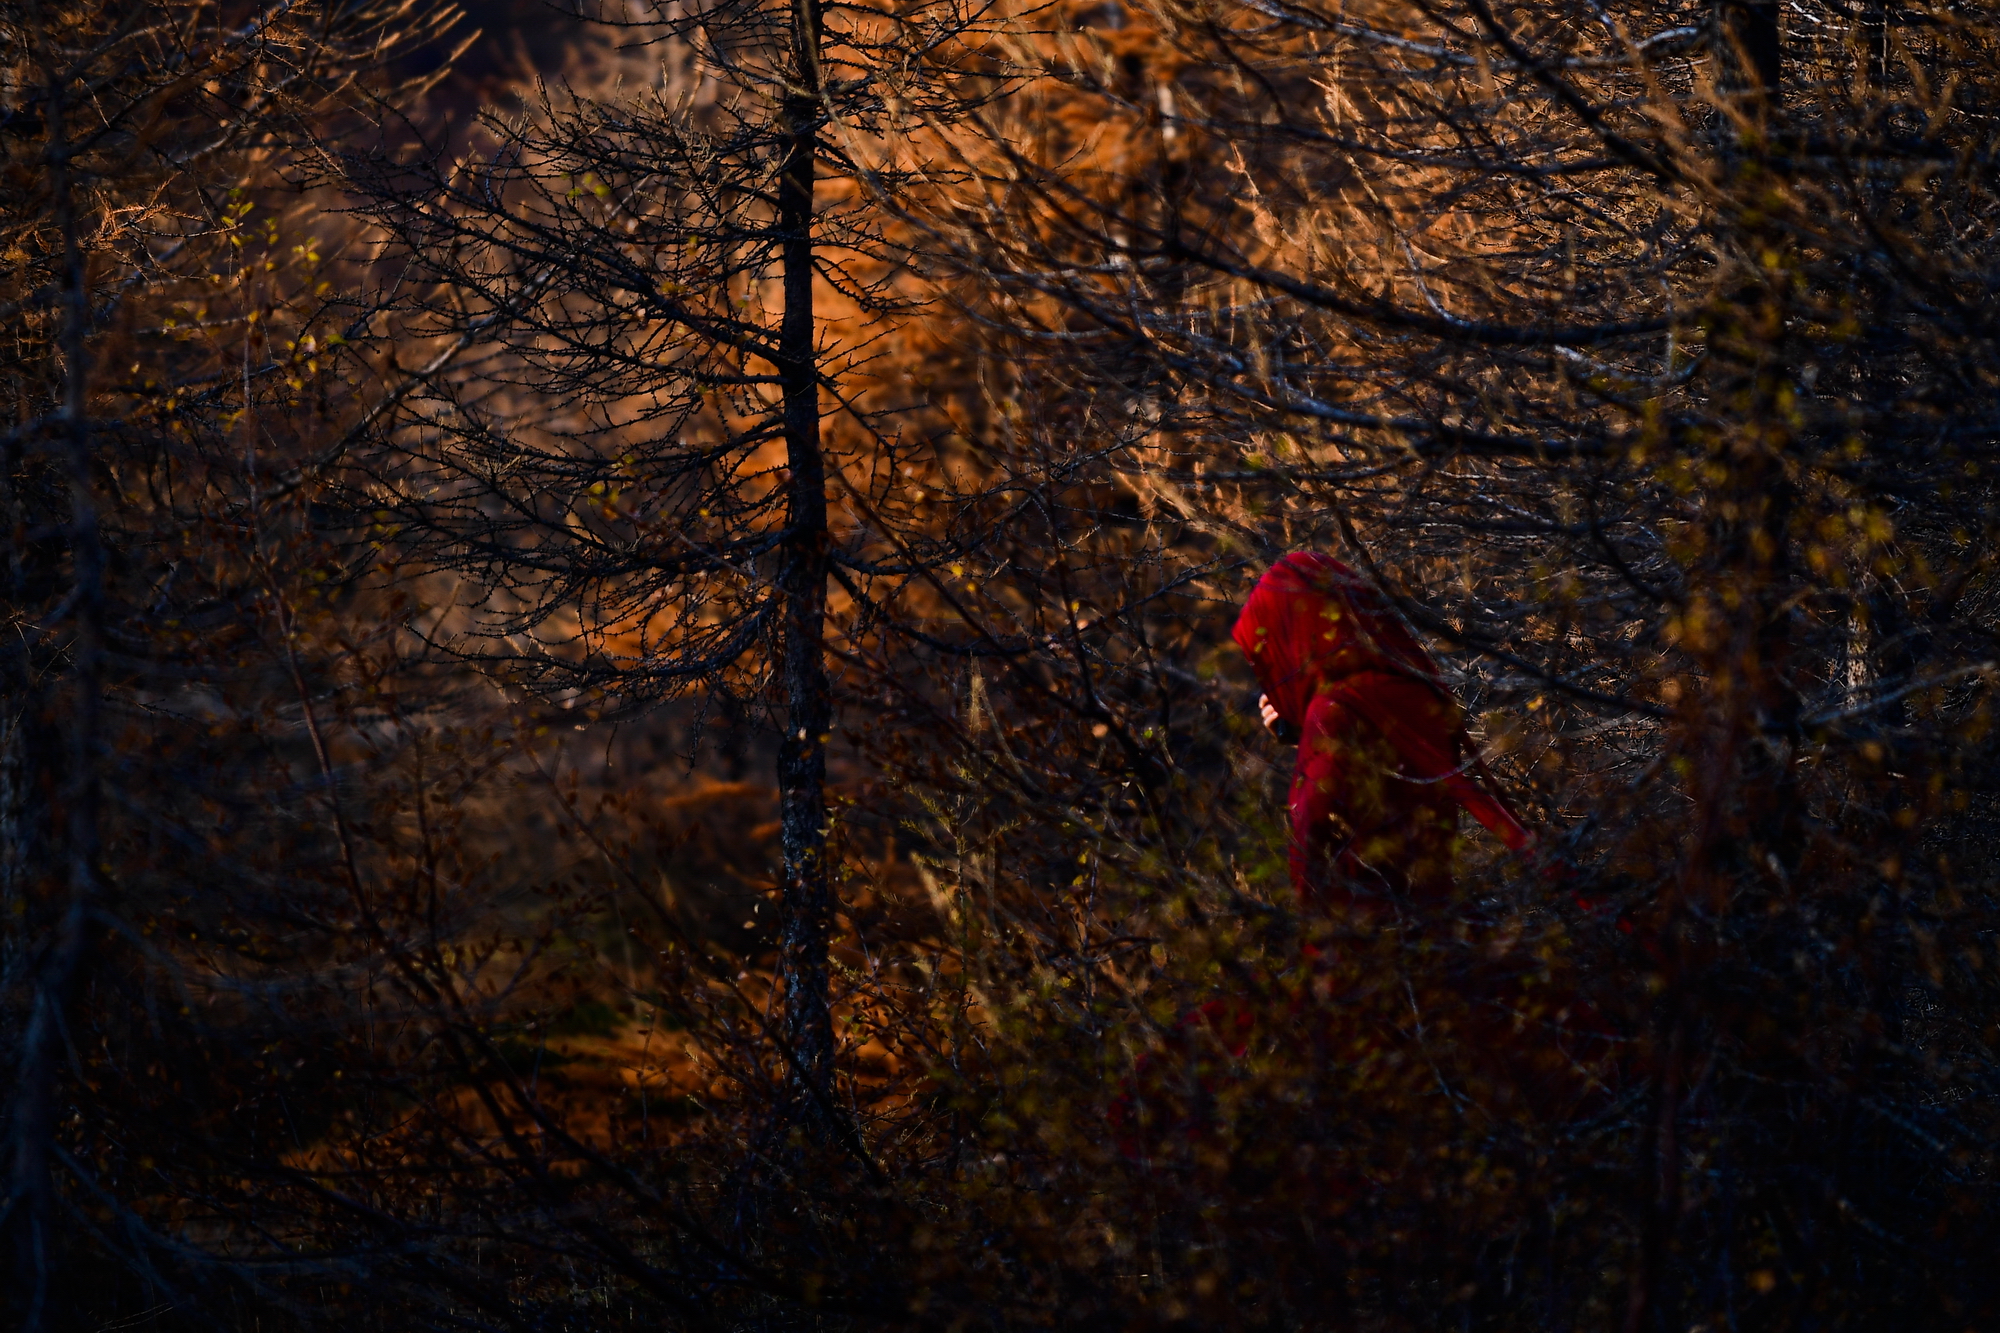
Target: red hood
1311 621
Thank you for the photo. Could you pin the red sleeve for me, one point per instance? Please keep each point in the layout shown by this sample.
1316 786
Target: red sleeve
1429 739
1319 792
1342 745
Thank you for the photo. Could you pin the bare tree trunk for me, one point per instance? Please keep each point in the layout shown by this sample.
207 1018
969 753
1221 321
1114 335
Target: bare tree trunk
58 968
1875 44
808 889
1752 49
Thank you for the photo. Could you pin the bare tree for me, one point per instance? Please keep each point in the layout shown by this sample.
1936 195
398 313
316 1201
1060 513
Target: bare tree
632 459
130 132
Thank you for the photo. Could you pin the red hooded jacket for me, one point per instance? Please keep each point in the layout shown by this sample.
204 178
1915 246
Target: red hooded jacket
1384 764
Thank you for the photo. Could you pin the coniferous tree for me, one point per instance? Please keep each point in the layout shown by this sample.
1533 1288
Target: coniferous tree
150 316
668 288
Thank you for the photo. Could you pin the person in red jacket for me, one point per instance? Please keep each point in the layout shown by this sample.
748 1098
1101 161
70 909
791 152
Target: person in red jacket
1384 769
1384 765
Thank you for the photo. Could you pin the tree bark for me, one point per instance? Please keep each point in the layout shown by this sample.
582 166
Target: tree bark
808 899
57 969
1752 49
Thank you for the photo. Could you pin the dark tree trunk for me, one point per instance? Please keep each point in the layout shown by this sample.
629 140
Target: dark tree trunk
70 866
808 889
1752 48
1875 44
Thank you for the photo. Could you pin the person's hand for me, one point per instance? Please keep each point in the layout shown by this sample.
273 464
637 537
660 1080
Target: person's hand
1286 733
